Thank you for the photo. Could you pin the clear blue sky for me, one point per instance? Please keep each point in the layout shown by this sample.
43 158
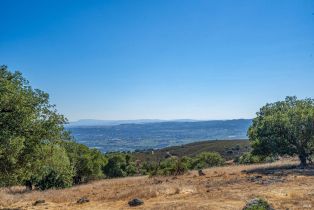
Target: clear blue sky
165 59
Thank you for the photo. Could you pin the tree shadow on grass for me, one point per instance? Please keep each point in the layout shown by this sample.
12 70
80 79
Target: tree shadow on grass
284 170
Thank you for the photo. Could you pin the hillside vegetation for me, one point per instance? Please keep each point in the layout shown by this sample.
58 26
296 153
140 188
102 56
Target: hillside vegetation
228 149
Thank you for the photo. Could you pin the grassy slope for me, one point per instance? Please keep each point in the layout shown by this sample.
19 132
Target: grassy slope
192 149
222 188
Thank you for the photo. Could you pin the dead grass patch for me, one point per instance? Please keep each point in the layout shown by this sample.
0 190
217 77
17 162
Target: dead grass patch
221 188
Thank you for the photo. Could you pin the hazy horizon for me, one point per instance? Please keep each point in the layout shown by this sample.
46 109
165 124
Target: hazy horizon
160 119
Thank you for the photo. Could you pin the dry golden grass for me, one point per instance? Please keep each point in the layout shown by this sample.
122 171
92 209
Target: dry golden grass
221 188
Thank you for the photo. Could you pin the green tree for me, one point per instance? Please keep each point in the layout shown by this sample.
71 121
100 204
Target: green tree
27 120
53 168
284 128
116 166
87 163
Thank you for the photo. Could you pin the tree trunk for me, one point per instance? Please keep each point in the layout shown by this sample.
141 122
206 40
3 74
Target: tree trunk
303 158
29 185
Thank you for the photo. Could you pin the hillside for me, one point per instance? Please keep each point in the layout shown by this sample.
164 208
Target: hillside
156 135
221 188
229 149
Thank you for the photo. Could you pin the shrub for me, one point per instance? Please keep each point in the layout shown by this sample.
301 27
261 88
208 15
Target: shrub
54 179
173 166
207 159
53 168
131 169
249 158
116 166
257 204
87 163
149 168
187 162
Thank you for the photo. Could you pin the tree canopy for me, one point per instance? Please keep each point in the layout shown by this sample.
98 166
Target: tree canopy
284 128
35 148
27 121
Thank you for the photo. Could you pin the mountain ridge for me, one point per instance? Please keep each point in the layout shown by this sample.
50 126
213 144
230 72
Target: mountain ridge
95 122
140 136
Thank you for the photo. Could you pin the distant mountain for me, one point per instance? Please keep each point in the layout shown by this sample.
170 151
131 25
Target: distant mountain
130 135
91 122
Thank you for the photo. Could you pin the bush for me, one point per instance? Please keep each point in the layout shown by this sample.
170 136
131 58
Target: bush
116 166
173 166
87 163
249 158
53 168
131 169
54 179
187 162
149 168
207 159
257 204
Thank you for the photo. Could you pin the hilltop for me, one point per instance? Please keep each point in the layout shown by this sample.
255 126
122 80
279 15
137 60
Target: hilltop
226 187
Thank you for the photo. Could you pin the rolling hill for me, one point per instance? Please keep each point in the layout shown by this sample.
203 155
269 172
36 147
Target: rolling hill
156 135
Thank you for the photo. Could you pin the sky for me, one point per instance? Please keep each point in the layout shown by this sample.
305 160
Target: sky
161 59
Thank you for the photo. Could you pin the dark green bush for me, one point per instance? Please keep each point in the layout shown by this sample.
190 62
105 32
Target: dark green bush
116 166
173 166
149 168
207 159
249 158
53 179
53 168
87 163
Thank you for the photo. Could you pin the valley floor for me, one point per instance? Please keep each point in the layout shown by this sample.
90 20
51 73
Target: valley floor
226 187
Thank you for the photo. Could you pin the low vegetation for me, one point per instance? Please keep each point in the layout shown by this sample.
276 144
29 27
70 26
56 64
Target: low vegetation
228 149
257 204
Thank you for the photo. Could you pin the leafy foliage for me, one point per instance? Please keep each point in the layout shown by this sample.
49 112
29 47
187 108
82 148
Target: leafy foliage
284 128
207 159
172 166
34 146
53 168
119 165
87 163
249 158
27 120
